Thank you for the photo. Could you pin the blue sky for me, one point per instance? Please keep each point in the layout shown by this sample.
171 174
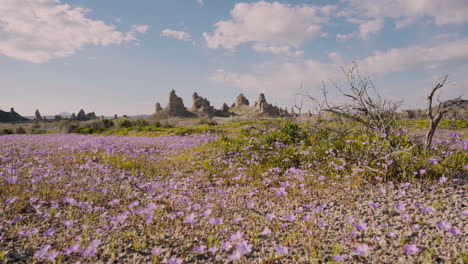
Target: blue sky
118 56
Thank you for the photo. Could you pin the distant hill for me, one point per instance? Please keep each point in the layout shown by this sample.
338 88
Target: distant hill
11 117
64 114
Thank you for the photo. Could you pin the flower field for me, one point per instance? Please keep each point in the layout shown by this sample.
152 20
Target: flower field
277 196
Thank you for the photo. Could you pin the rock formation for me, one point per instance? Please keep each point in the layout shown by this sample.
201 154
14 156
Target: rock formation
91 115
158 108
175 108
201 104
38 115
202 107
241 100
268 109
225 108
11 117
82 116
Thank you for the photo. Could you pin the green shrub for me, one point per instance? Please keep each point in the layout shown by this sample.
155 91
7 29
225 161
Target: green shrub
124 123
20 130
6 131
206 121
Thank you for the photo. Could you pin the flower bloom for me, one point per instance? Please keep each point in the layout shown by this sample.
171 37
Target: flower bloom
290 217
156 251
236 255
91 249
454 231
360 226
68 223
199 249
213 249
236 237
338 258
42 252
244 247
190 219
11 200
281 250
361 249
444 225
71 249
225 245
400 207
174 260
270 216
428 209
411 249
266 231
442 180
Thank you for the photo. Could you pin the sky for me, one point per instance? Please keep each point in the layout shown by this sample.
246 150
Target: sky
121 57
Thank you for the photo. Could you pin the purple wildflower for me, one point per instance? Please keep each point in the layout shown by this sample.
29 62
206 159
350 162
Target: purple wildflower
454 231
442 180
213 249
400 207
270 216
360 226
68 223
444 225
174 260
411 249
266 231
290 217
199 249
91 249
11 200
190 219
156 251
52 255
281 250
406 217
405 184
244 247
71 249
41 252
236 255
338 258
428 209
361 249
225 245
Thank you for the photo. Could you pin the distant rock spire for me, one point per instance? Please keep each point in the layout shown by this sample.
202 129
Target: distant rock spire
241 100
38 115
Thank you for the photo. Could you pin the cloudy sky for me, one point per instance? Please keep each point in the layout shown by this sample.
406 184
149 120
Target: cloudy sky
120 56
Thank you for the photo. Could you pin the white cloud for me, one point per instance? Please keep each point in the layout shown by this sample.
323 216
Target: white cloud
442 12
41 30
141 28
336 58
282 80
272 24
344 37
180 35
366 27
417 57
370 27
446 36
277 50
200 2
279 80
